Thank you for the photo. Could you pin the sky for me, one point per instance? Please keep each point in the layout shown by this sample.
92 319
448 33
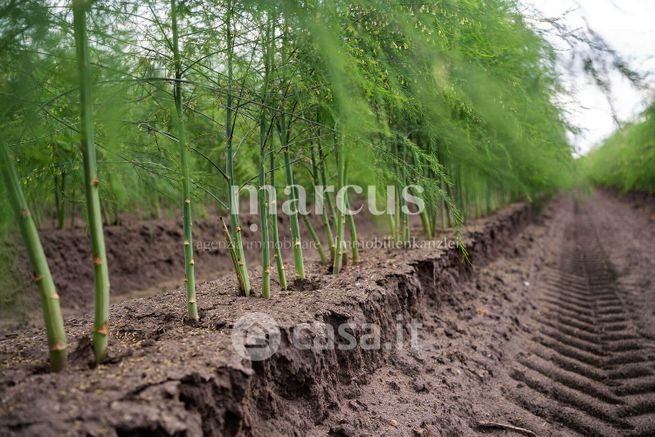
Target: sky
628 27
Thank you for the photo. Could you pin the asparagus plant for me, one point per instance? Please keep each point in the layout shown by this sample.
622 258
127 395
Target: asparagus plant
340 209
263 213
279 261
233 253
315 239
235 225
272 210
354 244
189 270
284 129
264 198
296 240
403 202
324 182
92 182
54 323
319 181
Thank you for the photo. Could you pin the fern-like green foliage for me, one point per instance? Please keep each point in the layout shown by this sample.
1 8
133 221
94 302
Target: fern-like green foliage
626 161
455 96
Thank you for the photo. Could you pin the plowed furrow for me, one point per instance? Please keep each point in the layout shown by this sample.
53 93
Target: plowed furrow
630 372
643 385
572 332
555 412
587 369
560 304
573 366
565 395
573 380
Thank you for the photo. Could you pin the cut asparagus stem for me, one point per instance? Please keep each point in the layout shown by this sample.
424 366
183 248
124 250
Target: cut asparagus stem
233 253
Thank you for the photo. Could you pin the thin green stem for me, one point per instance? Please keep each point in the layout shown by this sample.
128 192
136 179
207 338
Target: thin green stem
316 239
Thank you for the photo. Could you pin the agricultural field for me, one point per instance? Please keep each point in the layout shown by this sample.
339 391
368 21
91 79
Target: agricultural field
343 218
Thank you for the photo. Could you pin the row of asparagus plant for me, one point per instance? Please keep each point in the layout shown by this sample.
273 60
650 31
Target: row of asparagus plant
625 161
472 69
449 102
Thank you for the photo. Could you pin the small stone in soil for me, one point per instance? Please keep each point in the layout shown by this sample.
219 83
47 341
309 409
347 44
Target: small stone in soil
357 405
343 430
394 386
419 385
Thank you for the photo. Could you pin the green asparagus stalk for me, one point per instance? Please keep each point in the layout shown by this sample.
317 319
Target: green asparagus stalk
54 323
397 219
91 183
390 211
354 244
323 175
426 221
233 253
316 239
298 260
235 224
403 209
339 245
279 262
324 212
263 196
266 249
190 277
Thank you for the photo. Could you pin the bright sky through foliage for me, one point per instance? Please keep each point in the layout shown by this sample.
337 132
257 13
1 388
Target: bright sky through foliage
627 26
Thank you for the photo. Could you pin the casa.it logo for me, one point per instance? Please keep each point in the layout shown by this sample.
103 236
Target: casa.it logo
256 336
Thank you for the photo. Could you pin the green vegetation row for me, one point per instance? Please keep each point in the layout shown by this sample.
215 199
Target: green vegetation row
626 161
143 106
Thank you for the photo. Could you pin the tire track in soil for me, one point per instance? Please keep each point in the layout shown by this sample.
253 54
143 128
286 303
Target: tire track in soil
588 368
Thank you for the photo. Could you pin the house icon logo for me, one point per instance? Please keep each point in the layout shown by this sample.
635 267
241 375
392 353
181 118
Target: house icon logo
256 336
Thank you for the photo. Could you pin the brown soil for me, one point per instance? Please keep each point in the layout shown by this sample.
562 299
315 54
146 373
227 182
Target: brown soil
549 328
